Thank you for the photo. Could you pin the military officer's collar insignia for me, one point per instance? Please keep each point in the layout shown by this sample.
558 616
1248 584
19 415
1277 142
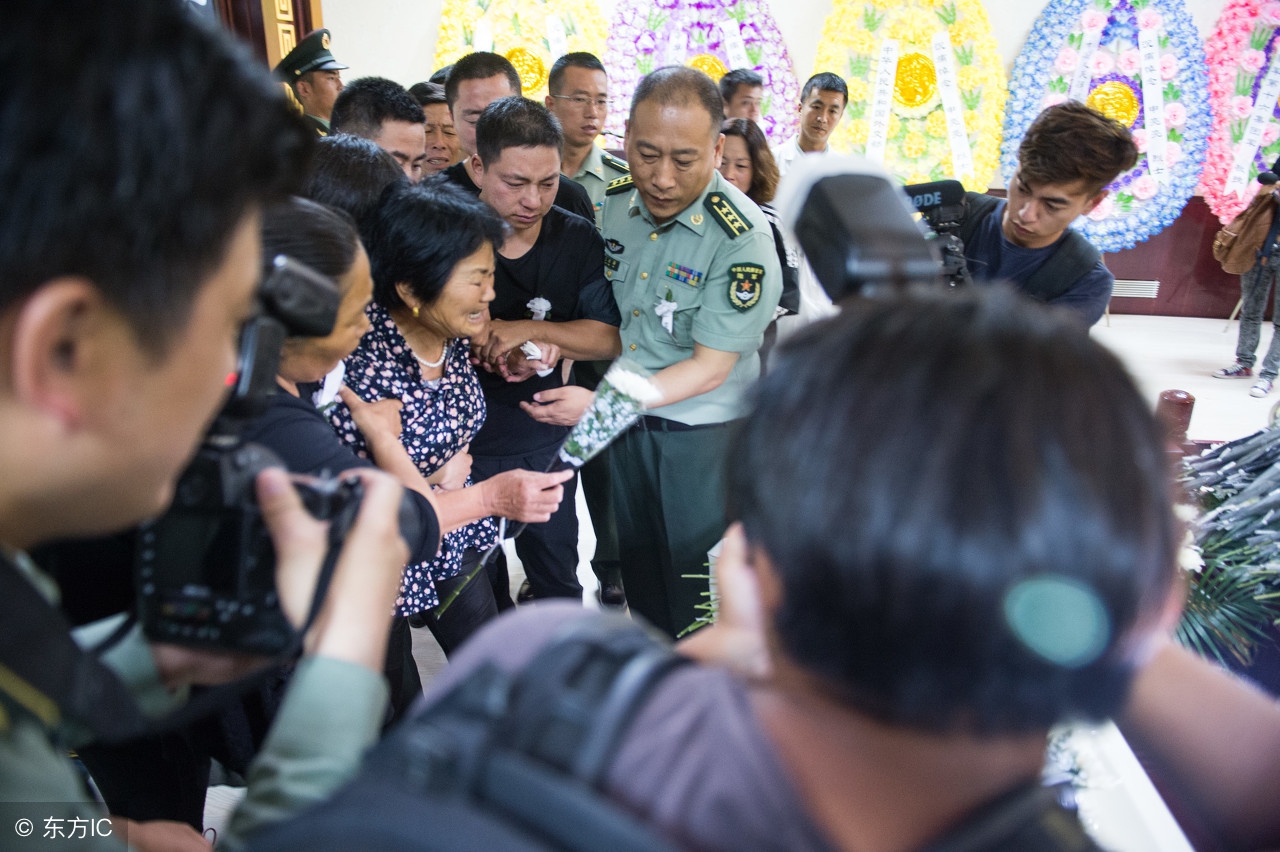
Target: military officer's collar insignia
619 186
745 285
612 161
695 219
614 246
726 215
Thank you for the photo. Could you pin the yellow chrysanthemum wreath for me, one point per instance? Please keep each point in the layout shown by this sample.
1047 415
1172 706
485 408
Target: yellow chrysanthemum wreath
917 148
520 31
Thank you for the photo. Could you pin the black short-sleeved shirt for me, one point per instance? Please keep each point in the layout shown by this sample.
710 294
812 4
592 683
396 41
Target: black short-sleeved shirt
565 267
569 196
295 431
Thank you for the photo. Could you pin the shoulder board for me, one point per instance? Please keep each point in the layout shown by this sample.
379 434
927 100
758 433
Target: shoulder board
726 215
615 163
616 187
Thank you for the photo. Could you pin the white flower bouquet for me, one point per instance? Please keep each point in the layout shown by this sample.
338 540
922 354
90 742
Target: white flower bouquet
623 394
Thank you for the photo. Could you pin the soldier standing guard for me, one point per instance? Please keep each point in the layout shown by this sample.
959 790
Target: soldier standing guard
312 74
696 277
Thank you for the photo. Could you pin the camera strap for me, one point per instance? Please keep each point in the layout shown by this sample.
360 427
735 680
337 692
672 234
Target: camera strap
45 675
1074 257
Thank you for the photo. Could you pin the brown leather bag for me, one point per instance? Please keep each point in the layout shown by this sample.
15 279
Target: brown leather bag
1237 244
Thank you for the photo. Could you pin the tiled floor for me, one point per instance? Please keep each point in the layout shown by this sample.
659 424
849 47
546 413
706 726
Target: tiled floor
1180 353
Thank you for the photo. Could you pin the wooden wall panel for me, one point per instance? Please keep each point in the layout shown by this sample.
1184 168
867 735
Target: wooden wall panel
270 27
1180 257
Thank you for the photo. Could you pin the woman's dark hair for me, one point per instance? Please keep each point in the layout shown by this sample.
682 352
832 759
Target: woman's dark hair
967 504
421 232
321 237
764 169
351 173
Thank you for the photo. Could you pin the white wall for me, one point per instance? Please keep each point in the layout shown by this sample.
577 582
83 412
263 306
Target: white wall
396 38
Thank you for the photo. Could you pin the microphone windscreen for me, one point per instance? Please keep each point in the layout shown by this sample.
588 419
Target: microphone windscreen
938 193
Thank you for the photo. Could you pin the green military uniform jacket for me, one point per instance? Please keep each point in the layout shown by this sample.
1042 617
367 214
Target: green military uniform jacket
716 261
330 715
599 169
319 125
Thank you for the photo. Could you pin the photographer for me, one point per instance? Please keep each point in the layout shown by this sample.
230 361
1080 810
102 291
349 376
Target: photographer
1067 157
129 256
935 560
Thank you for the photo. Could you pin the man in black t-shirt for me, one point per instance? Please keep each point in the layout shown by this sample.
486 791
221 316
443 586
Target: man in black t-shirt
477 80
550 286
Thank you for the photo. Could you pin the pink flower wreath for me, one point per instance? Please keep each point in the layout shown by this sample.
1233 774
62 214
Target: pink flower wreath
1242 44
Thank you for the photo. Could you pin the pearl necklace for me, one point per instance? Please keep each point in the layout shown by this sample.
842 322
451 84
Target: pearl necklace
431 365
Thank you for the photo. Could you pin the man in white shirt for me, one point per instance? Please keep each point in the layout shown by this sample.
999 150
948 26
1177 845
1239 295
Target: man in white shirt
822 103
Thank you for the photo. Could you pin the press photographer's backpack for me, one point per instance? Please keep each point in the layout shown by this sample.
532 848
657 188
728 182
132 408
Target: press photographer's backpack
1237 244
504 761
516 761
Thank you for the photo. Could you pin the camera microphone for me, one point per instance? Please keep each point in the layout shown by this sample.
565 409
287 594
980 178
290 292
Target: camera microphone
938 193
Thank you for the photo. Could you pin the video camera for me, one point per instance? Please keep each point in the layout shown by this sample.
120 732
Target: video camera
203 573
205 570
942 205
857 229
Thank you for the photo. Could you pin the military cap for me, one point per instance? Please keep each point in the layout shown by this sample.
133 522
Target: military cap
311 54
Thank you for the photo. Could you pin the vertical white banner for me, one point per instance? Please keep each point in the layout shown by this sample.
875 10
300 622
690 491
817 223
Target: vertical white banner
735 49
557 39
482 37
1268 94
882 99
949 90
677 42
1153 106
1079 90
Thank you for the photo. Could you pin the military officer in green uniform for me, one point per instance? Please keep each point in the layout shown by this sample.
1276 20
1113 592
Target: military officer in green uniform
696 276
312 74
579 98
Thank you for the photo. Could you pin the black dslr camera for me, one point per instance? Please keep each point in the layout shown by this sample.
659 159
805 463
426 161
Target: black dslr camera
205 570
942 205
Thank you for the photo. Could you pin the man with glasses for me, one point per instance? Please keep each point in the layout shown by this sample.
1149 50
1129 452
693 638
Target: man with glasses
580 99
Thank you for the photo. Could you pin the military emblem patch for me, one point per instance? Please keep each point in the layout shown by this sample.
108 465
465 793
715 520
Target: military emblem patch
729 217
621 185
684 274
614 246
745 285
